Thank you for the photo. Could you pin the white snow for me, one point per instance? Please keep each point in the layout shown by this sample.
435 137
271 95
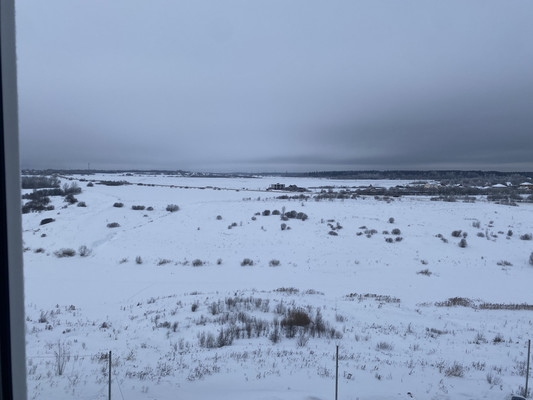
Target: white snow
393 341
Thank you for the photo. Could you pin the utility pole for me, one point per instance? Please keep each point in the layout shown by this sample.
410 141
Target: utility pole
109 388
527 368
337 374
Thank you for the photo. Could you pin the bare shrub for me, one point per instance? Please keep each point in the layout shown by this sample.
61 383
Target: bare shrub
69 198
463 243
391 220
266 213
425 272
247 262
219 217
476 224
138 208
455 301
302 340
113 225
36 182
283 226
163 261
138 260
275 263
207 340
275 334
46 221
457 233
396 231
384 346
172 208
82 204
118 205
498 338
504 263
197 263
493 380
65 253
71 189
526 236
456 370
39 250
84 251
531 259
62 356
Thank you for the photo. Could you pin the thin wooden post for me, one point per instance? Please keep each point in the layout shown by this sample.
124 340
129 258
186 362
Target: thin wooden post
527 368
337 374
109 388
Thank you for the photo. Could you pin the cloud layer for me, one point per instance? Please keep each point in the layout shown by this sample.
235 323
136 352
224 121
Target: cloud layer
276 85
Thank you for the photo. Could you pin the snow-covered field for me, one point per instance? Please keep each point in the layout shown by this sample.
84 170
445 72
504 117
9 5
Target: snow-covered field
166 293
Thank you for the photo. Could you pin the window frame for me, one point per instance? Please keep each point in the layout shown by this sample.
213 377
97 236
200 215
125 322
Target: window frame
12 333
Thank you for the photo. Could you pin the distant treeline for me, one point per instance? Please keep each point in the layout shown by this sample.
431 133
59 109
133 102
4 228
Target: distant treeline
445 177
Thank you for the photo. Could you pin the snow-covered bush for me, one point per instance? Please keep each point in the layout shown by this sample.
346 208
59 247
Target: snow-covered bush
247 262
172 208
531 258
65 253
113 225
84 251
275 263
69 198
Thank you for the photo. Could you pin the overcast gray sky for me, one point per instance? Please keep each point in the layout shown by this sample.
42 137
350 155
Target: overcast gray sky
276 85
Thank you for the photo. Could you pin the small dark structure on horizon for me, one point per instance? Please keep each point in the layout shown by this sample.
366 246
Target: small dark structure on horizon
277 186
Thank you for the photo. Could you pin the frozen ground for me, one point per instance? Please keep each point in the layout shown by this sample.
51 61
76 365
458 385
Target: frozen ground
218 330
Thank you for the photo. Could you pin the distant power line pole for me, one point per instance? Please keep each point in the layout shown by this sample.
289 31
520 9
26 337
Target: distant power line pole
109 387
527 368
337 374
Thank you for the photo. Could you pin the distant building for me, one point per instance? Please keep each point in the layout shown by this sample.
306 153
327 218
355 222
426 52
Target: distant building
277 186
